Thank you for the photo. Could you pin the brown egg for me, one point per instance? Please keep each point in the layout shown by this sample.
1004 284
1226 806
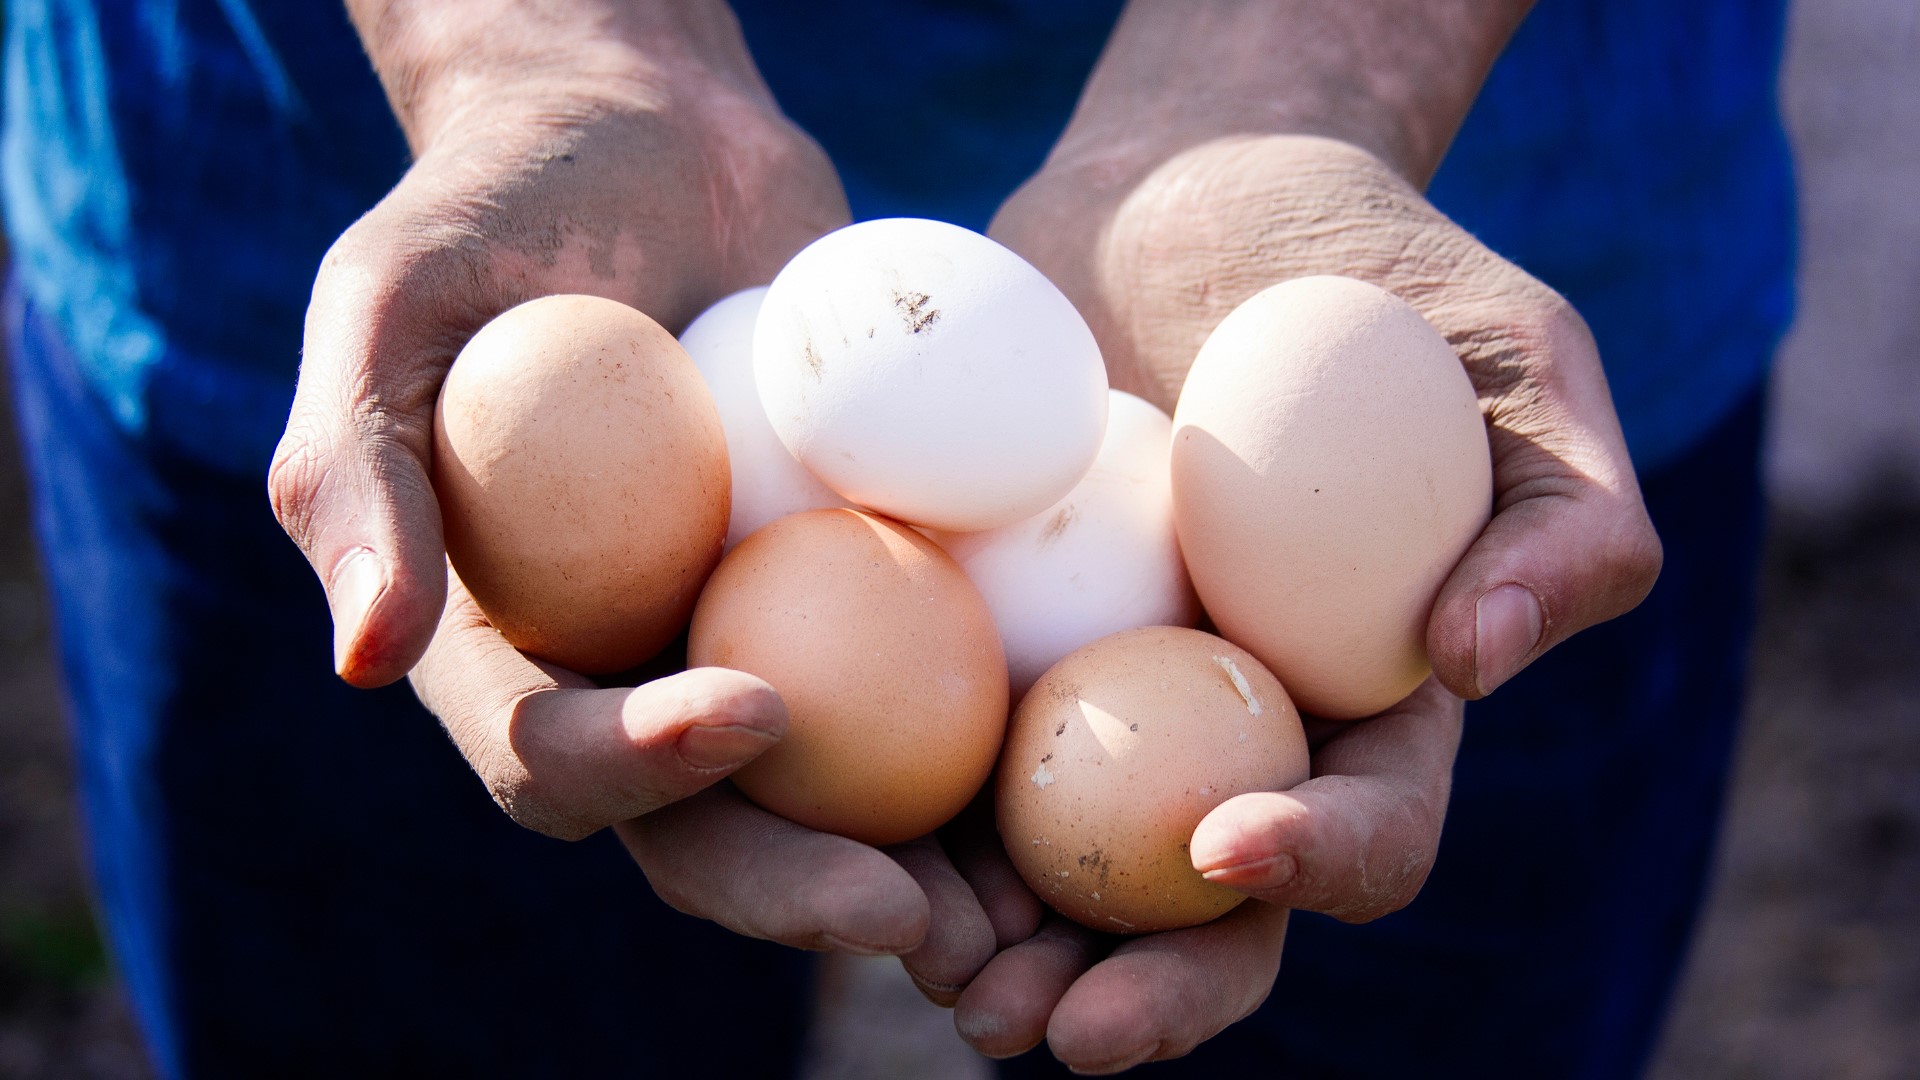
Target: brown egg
1117 753
1330 468
582 477
887 659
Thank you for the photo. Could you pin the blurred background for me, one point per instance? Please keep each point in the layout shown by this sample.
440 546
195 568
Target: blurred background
1808 960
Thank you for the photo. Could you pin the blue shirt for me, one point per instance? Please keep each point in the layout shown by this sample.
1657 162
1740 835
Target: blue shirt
174 171
1630 154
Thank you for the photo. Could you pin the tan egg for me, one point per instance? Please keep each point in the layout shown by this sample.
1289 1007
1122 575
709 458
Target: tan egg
582 477
887 659
1330 468
1117 753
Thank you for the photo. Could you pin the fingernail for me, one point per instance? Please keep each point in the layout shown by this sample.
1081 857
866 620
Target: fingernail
358 581
709 747
1272 872
1506 628
840 944
941 994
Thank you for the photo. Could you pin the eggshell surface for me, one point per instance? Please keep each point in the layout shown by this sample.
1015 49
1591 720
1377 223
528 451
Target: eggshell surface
887 659
768 483
1330 468
582 479
928 373
1114 757
1102 559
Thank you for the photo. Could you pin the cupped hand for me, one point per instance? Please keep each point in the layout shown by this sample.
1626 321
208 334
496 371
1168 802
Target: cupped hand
666 191
1156 250
666 185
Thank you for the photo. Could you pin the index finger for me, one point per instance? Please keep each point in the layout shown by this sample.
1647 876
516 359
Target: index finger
1357 840
720 857
566 758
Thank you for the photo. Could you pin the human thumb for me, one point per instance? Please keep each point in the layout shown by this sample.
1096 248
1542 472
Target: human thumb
349 481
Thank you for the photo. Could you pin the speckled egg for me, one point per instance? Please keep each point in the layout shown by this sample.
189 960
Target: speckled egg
1116 754
928 373
582 478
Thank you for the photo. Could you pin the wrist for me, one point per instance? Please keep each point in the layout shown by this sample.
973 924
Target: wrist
1234 171
1392 77
454 64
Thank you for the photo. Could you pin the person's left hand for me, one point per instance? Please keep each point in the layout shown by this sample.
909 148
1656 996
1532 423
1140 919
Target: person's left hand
1355 841
1155 244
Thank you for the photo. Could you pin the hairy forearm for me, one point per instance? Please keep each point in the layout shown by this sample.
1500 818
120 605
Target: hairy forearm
439 58
1394 77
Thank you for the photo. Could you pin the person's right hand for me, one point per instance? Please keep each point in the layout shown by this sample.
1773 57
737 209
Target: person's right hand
630 151
615 150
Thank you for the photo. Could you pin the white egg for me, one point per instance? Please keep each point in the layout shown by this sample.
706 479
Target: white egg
767 482
1101 560
926 372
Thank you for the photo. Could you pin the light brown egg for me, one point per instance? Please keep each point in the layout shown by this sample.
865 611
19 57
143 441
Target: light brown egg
1330 468
1117 753
887 659
582 477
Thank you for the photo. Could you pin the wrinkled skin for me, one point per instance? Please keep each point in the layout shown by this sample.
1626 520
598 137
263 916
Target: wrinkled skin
1155 254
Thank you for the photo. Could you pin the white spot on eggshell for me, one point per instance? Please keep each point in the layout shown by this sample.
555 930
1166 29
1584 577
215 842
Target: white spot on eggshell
1240 683
1041 777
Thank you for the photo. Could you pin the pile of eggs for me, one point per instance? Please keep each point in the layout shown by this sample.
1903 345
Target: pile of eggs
895 484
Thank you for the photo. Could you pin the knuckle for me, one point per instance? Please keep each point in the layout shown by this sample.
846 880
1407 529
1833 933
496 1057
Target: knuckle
529 803
295 478
674 895
374 457
528 798
654 854
1640 560
1386 887
1406 855
1632 556
1510 337
1391 867
1540 320
1639 553
1554 323
643 795
345 258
